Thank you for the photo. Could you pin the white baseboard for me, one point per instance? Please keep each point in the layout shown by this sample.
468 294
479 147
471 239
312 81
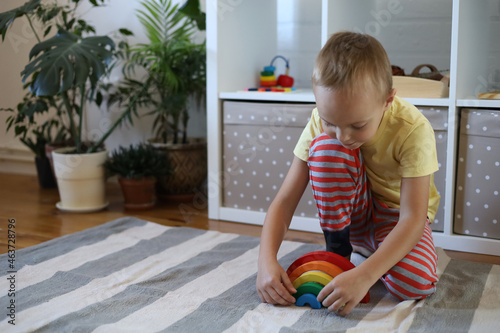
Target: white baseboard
15 160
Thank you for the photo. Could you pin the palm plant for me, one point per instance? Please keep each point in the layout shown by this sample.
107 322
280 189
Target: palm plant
174 67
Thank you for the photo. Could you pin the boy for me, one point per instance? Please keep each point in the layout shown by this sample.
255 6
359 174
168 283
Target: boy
369 157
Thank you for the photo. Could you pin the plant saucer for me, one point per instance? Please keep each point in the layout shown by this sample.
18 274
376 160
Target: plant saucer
81 209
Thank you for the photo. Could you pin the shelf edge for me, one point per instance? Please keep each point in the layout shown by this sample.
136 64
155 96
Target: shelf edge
302 96
308 96
479 103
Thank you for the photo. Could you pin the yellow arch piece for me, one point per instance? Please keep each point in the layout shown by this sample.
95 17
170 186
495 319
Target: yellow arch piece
312 276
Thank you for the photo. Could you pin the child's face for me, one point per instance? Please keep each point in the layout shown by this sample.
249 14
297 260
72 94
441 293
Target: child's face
352 120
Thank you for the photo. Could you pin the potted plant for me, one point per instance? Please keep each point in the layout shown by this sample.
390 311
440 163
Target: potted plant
29 119
138 168
23 120
67 67
174 68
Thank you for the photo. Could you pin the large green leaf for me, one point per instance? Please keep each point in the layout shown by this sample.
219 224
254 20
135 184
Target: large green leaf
192 9
163 21
66 61
8 17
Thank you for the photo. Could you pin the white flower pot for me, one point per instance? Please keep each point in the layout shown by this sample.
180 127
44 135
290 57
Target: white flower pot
80 180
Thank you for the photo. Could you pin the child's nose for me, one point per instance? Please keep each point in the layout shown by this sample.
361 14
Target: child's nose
343 136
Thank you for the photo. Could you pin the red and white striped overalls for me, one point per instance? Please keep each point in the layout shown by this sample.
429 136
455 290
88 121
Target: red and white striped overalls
350 215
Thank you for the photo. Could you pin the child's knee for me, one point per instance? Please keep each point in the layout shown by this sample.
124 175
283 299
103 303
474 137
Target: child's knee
404 293
406 285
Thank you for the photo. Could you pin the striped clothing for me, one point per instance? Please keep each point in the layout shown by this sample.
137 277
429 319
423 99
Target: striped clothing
350 215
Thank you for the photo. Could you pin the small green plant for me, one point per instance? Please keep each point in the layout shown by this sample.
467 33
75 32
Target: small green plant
29 131
138 161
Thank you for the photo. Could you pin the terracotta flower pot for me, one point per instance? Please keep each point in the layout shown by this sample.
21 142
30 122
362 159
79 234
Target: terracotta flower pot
139 193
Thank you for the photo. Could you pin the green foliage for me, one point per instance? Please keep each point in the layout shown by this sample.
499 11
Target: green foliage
31 134
138 162
7 18
192 9
52 16
65 68
175 67
66 61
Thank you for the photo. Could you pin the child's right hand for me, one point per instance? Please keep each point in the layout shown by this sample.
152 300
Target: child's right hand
273 284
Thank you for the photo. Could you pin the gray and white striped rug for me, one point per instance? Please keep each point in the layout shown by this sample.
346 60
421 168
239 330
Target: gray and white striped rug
131 275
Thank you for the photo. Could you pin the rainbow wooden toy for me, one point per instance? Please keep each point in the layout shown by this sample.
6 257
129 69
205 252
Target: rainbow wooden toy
268 79
314 270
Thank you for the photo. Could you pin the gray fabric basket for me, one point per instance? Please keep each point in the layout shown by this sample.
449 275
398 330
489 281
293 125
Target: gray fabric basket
477 206
438 117
258 144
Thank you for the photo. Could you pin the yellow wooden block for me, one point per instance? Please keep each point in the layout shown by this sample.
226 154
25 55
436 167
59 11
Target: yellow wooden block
312 276
268 78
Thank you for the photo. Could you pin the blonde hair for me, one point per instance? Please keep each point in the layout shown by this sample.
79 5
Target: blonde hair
350 61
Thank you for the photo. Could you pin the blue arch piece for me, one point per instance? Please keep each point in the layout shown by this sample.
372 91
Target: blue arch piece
308 299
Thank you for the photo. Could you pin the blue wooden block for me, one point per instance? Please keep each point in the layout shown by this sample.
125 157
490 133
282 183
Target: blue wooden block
308 299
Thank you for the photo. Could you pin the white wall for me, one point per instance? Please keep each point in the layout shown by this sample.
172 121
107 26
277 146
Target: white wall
14 56
419 32
404 27
299 38
14 50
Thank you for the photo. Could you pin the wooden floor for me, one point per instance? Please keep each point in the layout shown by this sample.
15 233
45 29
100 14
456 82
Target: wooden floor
38 220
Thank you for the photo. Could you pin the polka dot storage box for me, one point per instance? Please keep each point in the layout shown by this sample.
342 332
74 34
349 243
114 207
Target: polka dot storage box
258 142
438 117
477 210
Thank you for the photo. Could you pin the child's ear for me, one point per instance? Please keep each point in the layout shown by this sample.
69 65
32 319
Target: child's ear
390 99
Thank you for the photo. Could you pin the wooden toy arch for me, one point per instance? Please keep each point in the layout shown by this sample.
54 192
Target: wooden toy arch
312 271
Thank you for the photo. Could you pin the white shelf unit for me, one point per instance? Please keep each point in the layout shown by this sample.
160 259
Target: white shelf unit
242 37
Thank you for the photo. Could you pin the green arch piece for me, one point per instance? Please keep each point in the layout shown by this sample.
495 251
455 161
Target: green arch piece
308 288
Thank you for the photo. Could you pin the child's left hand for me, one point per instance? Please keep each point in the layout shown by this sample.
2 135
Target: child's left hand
345 291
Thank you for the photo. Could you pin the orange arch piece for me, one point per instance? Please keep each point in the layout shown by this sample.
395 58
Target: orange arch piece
323 266
312 276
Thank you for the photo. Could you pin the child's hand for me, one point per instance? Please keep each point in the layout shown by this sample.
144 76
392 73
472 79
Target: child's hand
273 284
344 292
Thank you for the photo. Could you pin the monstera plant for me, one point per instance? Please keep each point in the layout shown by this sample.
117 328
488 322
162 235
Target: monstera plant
68 65
67 68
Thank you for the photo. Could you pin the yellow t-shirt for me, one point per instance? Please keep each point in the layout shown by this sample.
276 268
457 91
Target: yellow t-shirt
404 146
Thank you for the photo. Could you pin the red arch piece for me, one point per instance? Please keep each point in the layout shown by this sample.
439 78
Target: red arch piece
330 257
323 266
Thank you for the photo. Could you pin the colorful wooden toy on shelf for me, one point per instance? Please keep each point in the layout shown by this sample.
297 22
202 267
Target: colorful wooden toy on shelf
314 270
268 78
272 89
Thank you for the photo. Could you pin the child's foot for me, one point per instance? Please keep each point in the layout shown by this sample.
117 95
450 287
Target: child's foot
338 242
361 250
